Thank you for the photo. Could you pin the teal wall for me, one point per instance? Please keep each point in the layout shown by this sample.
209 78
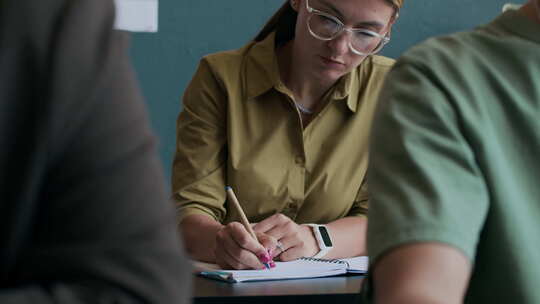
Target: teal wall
189 29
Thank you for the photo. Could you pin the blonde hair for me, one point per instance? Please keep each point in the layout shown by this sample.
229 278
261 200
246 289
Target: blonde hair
283 22
396 4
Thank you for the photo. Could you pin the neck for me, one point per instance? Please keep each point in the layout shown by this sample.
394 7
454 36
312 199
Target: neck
532 10
306 87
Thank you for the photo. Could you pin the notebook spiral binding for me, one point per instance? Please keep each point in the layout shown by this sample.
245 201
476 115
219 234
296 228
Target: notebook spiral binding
335 261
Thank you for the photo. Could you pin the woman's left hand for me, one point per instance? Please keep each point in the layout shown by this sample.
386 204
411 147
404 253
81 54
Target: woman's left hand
296 240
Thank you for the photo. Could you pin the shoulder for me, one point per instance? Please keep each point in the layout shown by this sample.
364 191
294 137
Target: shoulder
226 62
493 41
456 64
45 19
218 75
453 55
434 49
445 74
216 71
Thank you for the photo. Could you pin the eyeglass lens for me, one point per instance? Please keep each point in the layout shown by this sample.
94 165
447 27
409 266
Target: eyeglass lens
325 28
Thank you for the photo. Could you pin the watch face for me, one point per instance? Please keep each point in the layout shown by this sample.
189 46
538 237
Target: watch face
325 236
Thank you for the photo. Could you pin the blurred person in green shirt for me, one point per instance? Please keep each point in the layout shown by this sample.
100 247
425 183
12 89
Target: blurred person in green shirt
454 169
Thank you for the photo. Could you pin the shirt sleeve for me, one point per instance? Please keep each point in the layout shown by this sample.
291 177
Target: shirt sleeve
102 228
425 183
198 175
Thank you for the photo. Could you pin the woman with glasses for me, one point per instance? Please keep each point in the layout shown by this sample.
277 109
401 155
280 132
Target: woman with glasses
284 121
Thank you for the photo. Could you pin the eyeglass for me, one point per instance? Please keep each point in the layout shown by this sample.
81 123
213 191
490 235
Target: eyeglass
326 27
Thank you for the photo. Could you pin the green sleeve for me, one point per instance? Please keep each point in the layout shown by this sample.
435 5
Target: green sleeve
424 180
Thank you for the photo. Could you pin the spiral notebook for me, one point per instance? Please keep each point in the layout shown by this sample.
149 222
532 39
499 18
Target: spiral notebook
299 269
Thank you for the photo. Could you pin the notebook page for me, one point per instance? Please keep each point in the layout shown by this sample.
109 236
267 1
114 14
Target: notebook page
301 268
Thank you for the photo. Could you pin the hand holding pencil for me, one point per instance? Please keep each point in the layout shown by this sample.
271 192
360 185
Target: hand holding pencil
239 247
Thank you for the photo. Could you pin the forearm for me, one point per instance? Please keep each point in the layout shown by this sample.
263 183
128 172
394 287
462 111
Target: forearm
421 273
199 233
349 237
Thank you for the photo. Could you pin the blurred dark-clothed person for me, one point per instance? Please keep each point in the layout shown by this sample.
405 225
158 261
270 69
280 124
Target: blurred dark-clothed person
84 214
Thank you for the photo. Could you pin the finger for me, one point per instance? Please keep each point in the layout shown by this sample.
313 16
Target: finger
239 257
285 229
220 261
245 248
286 244
270 222
244 239
268 242
288 234
280 248
293 248
227 252
232 253
291 254
226 261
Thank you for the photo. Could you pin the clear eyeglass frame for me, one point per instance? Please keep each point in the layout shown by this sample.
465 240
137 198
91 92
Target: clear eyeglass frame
341 27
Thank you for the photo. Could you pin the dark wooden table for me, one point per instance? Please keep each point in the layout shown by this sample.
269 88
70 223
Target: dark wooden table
331 290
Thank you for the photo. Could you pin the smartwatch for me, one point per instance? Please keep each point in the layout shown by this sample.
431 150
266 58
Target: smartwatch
323 239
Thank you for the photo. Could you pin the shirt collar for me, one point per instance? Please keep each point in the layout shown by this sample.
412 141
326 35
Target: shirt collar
262 74
343 89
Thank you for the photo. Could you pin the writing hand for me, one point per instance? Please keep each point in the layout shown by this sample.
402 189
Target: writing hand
236 248
297 240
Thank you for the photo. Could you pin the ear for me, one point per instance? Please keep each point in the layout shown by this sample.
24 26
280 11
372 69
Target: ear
391 23
395 17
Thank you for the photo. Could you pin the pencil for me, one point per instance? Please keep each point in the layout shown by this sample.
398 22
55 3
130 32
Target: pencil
243 218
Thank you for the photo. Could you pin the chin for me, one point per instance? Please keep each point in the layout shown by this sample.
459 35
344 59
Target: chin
331 75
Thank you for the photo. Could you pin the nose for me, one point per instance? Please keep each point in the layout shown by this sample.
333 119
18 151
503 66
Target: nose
340 44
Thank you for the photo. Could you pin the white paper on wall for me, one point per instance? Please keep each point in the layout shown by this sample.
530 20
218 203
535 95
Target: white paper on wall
136 15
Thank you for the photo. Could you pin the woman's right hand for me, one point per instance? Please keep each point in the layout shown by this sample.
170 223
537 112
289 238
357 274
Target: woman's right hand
236 248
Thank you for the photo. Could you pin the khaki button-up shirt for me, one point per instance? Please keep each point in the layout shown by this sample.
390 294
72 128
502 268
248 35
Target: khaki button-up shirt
239 127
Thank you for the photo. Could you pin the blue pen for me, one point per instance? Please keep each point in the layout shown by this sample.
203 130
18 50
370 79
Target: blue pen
230 193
